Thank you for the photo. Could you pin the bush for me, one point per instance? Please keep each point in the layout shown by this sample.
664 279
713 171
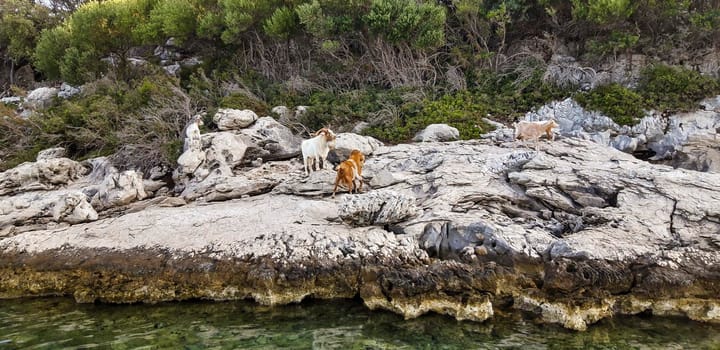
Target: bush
139 122
18 139
675 88
243 101
621 104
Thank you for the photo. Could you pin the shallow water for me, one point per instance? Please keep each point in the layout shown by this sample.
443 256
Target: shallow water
60 323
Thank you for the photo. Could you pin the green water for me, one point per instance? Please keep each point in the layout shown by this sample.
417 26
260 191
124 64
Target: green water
59 323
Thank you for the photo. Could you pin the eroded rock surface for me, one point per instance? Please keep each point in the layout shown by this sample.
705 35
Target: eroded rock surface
683 140
571 233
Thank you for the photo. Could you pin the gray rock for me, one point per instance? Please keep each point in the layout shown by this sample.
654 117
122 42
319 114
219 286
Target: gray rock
283 113
11 101
50 153
58 206
217 156
663 136
40 98
232 119
318 183
172 69
347 142
360 127
573 233
67 91
376 208
437 132
191 62
270 140
119 189
45 174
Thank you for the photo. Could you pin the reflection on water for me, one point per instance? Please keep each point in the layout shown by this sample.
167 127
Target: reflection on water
59 323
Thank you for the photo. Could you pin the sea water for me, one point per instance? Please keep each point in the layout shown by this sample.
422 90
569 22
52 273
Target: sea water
60 323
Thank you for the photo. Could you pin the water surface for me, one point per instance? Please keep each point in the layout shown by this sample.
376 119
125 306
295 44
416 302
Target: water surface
60 323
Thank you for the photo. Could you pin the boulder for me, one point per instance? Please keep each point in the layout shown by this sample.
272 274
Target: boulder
233 119
376 208
41 207
224 151
172 69
67 91
40 98
50 153
270 140
250 182
45 174
11 101
218 154
119 189
437 132
347 142
318 183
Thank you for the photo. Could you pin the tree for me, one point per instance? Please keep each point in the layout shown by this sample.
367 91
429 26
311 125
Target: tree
94 31
21 22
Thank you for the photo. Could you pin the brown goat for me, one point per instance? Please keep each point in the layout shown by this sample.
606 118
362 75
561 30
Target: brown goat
349 171
526 130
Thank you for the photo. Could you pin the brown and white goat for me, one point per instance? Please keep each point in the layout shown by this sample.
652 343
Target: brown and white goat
527 130
316 149
349 171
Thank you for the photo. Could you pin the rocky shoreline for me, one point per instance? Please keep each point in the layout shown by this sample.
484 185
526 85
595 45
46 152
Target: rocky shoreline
571 234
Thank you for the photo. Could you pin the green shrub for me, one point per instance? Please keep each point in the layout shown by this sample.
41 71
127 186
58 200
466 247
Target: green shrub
18 139
461 110
243 101
675 88
621 104
139 122
343 110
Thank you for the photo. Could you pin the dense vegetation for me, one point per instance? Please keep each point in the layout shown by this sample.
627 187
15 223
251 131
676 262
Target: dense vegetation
396 64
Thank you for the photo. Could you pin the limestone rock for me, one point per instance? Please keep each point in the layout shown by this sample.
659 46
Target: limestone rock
318 183
347 142
376 208
119 189
233 119
45 174
67 91
437 132
58 206
270 140
221 188
40 98
219 154
662 136
11 101
190 161
572 233
223 151
57 152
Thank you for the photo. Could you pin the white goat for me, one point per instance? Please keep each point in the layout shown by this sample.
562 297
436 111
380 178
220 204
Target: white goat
192 133
527 130
316 149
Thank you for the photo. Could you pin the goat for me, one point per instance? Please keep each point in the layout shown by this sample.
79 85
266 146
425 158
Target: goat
349 171
316 149
527 130
191 134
